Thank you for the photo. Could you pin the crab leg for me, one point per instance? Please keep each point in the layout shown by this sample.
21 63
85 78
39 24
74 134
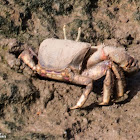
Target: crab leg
98 71
120 80
97 57
81 80
30 58
107 88
91 74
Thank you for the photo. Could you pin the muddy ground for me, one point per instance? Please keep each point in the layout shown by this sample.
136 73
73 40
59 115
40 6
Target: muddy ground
32 107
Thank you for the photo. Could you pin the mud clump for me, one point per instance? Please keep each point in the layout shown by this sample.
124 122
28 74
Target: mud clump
32 107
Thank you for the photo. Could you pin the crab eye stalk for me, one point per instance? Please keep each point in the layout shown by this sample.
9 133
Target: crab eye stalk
64 31
79 34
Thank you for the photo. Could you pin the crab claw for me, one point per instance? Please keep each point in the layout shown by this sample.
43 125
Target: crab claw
132 66
27 57
122 58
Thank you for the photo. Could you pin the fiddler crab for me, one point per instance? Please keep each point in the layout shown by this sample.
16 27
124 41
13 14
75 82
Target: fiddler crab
80 63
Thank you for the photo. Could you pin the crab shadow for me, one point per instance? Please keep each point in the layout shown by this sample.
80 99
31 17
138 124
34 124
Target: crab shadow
132 88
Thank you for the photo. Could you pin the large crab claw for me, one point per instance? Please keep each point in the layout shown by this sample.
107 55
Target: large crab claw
116 54
122 58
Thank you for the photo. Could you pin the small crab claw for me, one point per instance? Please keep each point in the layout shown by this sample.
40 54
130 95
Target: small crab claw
27 57
131 66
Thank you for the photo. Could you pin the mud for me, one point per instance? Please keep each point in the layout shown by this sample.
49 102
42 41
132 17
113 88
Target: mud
32 107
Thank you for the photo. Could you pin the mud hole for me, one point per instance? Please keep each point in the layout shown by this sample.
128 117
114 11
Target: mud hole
32 107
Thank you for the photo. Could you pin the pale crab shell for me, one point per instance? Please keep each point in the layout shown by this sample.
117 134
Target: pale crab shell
57 54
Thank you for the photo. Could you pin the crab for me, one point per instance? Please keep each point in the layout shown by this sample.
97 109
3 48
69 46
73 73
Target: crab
80 63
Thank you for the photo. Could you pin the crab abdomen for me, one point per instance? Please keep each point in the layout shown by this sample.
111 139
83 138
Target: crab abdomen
57 54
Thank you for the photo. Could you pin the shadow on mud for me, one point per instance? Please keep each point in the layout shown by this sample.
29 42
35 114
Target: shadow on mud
133 86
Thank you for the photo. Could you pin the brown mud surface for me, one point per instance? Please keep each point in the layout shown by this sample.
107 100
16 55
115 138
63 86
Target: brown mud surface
34 108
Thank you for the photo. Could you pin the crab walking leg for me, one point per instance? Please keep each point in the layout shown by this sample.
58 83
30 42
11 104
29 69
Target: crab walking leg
64 30
120 80
107 88
98 71
81 80
79 34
